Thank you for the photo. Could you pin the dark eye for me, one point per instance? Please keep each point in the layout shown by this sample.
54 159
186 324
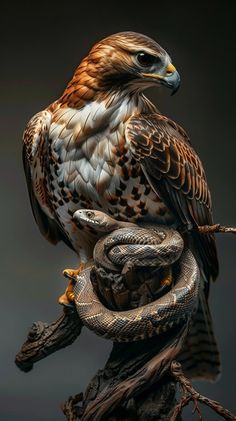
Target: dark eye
90 214
145 59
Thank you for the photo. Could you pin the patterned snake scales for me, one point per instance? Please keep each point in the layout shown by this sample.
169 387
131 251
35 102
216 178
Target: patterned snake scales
147 245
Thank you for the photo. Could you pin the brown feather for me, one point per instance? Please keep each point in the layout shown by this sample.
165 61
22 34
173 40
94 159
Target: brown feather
34 138
176 173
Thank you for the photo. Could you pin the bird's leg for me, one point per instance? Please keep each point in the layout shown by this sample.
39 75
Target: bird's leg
68 297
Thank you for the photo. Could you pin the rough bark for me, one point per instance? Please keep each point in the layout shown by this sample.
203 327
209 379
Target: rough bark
44 339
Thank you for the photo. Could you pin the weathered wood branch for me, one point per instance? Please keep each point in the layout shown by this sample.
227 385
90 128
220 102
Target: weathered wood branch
134 383
190 394
216 228
140 366
44 339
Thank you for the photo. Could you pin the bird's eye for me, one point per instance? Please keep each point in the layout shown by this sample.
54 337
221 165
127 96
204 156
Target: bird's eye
145 59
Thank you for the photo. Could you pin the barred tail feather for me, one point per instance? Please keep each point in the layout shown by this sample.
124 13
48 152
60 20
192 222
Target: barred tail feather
200 356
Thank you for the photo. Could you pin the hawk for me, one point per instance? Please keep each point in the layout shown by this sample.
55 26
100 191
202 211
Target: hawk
104 145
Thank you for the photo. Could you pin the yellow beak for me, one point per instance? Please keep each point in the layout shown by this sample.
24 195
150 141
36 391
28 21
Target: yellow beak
170 69
170 78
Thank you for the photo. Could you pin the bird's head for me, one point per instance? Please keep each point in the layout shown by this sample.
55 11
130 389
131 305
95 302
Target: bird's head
126 62
132 61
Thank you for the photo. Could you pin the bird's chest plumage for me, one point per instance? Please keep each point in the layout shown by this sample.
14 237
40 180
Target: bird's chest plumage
90 166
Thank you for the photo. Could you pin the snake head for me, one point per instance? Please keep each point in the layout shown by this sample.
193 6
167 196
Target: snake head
98 220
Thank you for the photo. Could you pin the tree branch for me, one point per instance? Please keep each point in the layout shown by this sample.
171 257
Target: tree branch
212 229
135 375
190 394
43 339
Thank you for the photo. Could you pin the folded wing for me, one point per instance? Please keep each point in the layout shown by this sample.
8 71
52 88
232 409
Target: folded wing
176 174
35 141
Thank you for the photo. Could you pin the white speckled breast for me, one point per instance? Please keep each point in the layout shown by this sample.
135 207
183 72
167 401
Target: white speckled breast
90 166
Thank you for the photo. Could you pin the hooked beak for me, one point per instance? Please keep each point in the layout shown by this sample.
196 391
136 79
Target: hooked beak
171 78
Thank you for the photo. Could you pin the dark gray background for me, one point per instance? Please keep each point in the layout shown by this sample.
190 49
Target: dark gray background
41 46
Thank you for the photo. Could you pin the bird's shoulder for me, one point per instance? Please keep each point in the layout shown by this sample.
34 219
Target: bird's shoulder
153 129
158 137
164 150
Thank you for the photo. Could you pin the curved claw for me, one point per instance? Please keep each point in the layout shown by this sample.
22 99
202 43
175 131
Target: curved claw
67 299
73 273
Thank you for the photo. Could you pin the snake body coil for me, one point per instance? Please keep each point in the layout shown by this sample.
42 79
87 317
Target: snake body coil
142 246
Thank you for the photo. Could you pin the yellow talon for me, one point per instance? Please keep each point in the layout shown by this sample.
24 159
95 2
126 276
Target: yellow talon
72 273
68 297
167 279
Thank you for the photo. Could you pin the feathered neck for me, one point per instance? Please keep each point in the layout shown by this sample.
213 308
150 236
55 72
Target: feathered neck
87 85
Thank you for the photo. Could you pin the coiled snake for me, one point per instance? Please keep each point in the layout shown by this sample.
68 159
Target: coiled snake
125 245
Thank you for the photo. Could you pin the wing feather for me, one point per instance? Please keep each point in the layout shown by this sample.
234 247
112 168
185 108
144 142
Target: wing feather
34 144
175 172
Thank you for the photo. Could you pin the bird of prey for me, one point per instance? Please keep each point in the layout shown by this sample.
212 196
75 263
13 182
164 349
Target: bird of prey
104 145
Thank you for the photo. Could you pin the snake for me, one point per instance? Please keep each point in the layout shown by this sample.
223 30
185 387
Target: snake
139 245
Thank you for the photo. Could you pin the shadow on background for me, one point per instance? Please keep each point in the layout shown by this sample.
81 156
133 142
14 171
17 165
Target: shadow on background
42 43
